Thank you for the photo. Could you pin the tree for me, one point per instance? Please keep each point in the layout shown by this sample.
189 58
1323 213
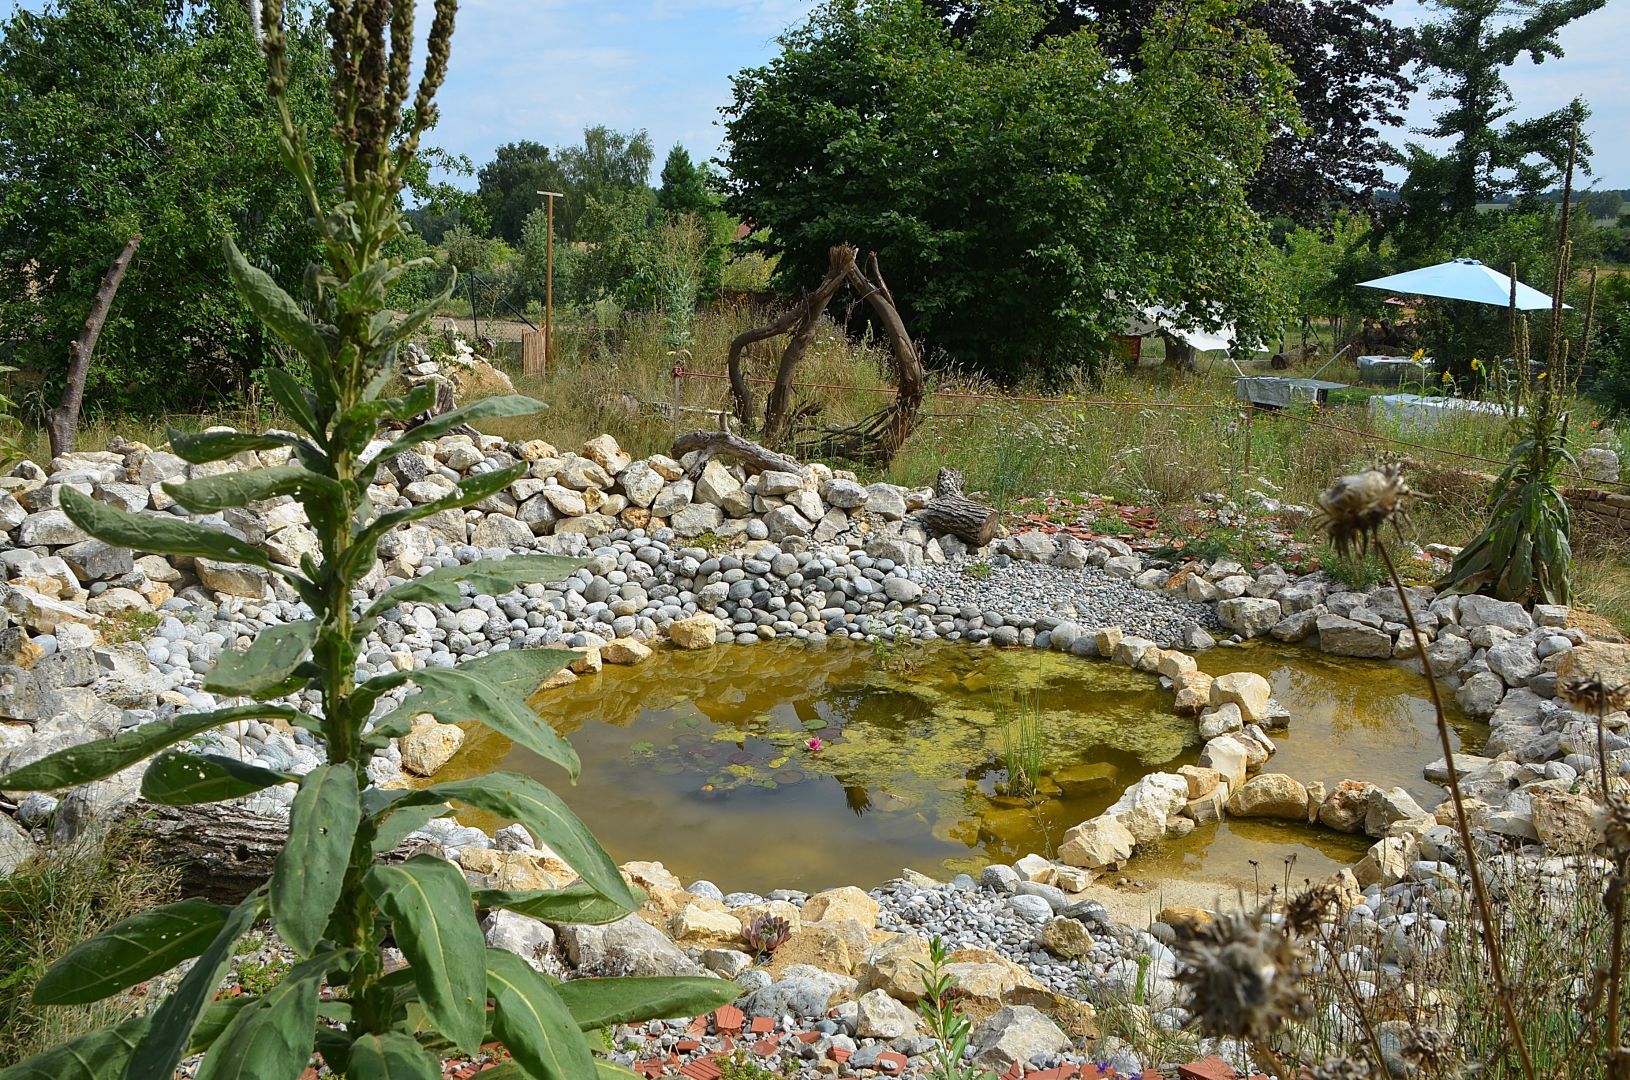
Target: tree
508 185
1352 78
684 185
146 116
992 174
1468 47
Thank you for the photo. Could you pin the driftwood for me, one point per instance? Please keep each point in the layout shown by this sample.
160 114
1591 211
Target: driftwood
224 851
878 437
722 444
952 512
62 422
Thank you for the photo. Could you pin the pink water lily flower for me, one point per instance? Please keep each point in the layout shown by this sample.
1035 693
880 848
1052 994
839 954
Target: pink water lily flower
815 743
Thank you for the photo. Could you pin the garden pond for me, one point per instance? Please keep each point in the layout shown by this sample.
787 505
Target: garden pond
786 765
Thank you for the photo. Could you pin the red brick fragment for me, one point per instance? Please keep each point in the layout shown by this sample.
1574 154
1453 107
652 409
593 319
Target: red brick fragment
768 1046
706 1068
728 1018
762 1025
687 1046
1207 1068
892 1062
838 1054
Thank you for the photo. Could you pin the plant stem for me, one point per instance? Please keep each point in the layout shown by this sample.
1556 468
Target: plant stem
1491 935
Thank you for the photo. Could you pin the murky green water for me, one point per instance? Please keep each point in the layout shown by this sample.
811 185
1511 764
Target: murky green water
705 760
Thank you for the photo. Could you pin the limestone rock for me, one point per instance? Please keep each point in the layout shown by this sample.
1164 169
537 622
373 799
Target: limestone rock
1249 616
696 925
604 452
879 1016
892 966
1339 636
624 651
1565 821
1067 938
1387 862
1191 692
1013 1035
847 902
1250 691
629 946
16 847
1272 795
1097 843
1387 806
430 745
528 938
697 632
232 579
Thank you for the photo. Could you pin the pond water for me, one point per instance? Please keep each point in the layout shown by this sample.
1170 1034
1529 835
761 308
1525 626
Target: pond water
706 760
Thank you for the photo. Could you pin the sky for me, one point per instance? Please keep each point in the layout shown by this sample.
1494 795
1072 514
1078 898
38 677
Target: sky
545 69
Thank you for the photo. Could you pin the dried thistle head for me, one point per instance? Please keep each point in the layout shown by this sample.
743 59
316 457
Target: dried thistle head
1429 1050
1590 693
1244 977
1305 911
1342 1068
1354 508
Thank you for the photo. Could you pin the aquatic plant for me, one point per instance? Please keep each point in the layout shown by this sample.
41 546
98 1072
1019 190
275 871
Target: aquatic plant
1022 750
765 933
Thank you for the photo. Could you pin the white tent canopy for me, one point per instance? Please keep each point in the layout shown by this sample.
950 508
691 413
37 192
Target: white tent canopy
1158 319
1461 279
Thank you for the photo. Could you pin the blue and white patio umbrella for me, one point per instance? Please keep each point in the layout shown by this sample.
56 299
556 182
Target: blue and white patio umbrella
1461 279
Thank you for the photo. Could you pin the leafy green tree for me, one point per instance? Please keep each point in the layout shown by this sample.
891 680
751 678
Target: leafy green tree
684 187
330 898
126 116
1025 199
1469 46
1352 66
508 185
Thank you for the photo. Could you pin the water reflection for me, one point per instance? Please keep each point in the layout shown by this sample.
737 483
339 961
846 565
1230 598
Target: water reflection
782 765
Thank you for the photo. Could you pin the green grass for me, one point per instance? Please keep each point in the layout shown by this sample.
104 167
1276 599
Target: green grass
54 902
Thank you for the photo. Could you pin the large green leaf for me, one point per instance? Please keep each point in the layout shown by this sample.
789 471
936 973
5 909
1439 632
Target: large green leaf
160 533
95 760
391 1056
392 335
456 695
271 1037
492 577
521 671
206 446
177 778
163 1044
403 823
598 1003
128 952
545 815
577 904
101 1055
433 920
214 1021
299 403
533 1021
267 668
209 494
276 308
310 870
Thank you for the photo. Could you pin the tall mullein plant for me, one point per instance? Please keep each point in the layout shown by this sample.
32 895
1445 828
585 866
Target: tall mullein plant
330 897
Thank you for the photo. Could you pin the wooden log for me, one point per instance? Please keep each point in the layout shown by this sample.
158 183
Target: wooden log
224 851
951 512
723 444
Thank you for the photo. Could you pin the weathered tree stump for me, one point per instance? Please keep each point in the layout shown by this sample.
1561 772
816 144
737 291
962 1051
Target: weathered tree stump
954 513
722 444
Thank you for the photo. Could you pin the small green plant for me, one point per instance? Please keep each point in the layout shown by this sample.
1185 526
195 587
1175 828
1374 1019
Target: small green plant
261 976
740 1066
1360 572
332 903
1022 751
979 571
130 624
945 1022
764 934
1140 991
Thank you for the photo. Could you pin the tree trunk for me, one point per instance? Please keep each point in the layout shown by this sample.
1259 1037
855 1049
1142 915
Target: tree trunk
954 513
778 407
62 422
723 444
1179 353
224 851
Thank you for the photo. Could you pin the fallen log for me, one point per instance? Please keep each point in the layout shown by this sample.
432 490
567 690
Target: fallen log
722 444
224 851
951 512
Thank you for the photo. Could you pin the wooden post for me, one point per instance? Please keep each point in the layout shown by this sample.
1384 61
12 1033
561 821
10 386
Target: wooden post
679 383
549 198
1250 416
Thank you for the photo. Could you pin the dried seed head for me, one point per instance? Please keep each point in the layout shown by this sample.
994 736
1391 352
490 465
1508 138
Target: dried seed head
1305 911
1342 1068
1355 507
1430 1050
1588 693
1614 821
1244 977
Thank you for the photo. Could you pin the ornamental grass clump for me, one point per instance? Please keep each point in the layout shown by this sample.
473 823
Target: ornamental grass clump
330 899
